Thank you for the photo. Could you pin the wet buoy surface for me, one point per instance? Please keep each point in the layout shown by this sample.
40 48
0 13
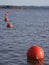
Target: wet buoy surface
9 25
35 53
6 19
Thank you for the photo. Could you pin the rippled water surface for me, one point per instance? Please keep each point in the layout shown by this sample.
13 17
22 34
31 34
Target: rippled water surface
31 27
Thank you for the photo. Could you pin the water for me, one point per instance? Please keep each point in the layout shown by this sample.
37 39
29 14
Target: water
31 27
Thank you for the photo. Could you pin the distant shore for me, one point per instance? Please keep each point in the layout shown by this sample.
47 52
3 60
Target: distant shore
24 7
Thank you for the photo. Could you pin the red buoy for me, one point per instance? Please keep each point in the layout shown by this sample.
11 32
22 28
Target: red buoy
10 25
6 19
8 12
35 53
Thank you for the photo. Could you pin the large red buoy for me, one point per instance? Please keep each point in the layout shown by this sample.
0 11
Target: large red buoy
10 25
6 19
35 54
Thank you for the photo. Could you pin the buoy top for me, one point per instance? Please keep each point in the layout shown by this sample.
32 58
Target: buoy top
35 52
10 25
6 19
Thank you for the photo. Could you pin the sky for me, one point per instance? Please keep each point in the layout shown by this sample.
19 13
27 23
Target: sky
25 2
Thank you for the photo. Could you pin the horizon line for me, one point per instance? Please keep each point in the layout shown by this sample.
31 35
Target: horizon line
26 5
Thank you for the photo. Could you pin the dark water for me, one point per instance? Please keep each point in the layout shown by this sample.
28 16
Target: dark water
31 27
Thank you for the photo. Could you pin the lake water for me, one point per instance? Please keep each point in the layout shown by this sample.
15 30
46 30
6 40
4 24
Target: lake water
31 27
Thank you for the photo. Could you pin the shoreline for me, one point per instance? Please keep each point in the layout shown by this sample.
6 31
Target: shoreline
24 7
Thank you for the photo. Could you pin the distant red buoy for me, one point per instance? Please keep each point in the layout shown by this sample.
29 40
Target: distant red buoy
10 25
8 12
6 19
35 53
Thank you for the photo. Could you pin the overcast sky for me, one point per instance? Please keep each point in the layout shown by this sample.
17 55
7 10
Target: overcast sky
25 2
